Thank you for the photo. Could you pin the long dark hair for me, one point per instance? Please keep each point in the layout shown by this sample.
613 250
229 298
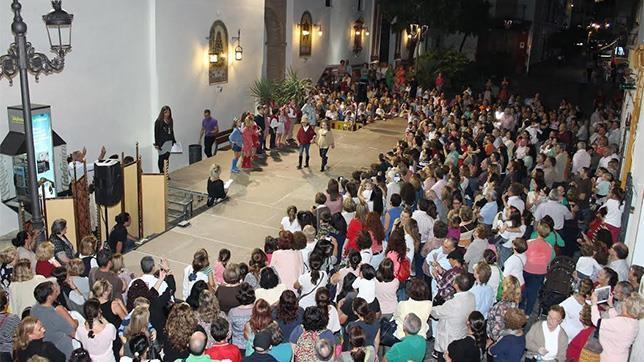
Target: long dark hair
477 325
287 307
315 263
163 109
92 310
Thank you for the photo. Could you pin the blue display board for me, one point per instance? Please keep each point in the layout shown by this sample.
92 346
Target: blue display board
44 149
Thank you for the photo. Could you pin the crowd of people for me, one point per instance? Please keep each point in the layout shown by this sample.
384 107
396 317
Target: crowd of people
489 232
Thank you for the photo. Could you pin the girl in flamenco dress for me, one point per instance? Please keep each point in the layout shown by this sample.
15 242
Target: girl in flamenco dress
251 141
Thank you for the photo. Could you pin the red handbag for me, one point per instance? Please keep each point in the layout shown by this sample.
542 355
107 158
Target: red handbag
404 271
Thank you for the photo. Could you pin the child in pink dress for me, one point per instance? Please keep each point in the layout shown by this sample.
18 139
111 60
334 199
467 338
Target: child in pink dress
220 265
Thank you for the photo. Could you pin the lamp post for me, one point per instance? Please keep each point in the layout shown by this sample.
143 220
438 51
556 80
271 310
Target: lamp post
23 58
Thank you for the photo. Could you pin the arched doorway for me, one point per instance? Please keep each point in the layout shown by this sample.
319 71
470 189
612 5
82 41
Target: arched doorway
275 24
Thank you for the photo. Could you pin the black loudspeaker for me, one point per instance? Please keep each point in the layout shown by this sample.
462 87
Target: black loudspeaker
108 182
361 93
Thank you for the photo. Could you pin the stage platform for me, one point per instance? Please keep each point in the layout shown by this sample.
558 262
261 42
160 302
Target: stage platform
258 200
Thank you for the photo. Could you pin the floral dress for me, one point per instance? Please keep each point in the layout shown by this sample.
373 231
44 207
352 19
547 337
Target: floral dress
495 322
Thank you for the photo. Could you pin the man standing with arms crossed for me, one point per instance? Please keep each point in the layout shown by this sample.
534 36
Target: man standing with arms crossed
209 131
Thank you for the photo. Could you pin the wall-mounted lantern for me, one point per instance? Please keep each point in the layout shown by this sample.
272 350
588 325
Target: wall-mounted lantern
239 51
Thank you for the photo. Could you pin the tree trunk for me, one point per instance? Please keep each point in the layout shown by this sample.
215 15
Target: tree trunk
460 49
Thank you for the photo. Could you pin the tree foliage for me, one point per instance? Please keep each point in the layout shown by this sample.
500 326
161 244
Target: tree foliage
456 68
470 17
292 87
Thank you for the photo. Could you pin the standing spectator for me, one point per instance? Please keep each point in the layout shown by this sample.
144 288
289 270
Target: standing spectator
511 345
617 255
546 340
577 343
412 346
483 293
324 141
510 298
305 336
452 316
104 271
472 346
419 303
386 287
617 332
538 258
573 305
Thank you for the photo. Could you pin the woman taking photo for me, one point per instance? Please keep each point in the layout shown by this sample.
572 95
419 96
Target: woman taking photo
236 141
96 334
164 136
28 342
617 333
324 141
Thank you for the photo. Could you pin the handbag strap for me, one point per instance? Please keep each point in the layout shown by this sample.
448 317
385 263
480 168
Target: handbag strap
314 288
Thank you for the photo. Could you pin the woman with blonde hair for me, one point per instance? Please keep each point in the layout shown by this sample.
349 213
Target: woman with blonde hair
75 270
215 186
138 323
45 255
617 332
118 268
87 253
28 342
23 283
510 298
113 310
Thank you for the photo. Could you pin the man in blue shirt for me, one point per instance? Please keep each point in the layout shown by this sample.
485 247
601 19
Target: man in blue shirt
209 130
490 209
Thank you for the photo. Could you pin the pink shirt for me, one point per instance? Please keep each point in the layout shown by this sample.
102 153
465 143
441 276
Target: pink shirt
538 256
616 335
334 206
289 266
386 295
219 272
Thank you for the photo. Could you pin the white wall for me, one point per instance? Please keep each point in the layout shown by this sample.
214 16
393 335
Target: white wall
336 42
635 229
102 95
182 63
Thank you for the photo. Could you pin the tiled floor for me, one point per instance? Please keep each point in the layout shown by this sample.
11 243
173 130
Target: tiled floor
258 200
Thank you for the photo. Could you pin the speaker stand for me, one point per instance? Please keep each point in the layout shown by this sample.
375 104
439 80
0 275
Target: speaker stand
107 233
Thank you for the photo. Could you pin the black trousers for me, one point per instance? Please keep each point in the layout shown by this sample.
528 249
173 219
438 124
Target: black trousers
208 142
271 142
162 159
324 157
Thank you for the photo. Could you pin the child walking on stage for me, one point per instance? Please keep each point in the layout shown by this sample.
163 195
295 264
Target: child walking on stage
236 142
250 133
305 137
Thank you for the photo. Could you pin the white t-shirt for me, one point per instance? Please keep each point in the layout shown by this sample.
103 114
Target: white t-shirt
290 226
514 266
511 235
409 243
189 281
425 225
551 341
614 211
366 289
308 289
571 324
366 255
588 266
334 320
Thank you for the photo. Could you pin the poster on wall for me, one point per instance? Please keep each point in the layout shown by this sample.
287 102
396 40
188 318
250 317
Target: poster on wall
218 53
43 150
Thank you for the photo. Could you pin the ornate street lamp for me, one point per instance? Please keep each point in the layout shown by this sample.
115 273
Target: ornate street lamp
23 58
